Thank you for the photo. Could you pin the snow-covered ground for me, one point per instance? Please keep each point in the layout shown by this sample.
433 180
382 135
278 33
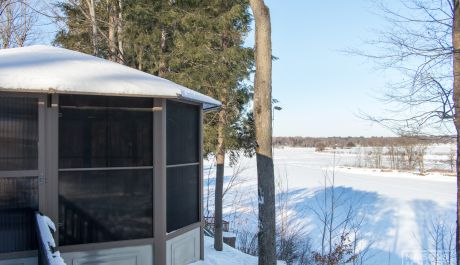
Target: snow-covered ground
229 256
398 208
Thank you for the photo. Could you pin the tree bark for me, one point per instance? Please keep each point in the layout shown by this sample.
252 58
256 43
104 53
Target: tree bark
263 128
456 74
7 29
220 159
92 14
162 65
112 31
120 58
220 163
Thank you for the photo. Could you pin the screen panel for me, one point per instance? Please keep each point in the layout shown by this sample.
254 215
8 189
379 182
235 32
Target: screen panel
18 203
18 133
182 201
182 133
102 206
105 132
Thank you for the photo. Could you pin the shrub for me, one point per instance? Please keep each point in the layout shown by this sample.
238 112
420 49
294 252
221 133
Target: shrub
320 147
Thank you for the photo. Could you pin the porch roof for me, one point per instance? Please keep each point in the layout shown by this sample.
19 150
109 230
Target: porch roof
46 69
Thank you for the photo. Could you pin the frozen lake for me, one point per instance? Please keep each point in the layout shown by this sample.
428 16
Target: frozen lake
398 209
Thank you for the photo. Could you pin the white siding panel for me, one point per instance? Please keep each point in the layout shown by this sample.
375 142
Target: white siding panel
22 261
183 249
140 255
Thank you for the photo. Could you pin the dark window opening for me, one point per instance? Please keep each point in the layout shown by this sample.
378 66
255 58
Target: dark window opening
18 203
102 206
182 196
18 133
105 132
183 125
99 202
182 175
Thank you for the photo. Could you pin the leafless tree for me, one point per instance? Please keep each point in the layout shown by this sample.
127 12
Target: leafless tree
440 243
340 227
418 44
452 158
107 28
377 156
423 43
236 179
17 21
420 152
92 14
292 242
232 196
209 192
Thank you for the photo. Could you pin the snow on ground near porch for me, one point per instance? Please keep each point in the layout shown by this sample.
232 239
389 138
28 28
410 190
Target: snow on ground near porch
229 256
398 207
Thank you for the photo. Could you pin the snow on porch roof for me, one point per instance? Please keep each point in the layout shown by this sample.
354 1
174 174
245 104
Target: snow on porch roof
48 69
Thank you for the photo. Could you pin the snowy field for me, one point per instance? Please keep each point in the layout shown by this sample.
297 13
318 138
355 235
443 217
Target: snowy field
398 211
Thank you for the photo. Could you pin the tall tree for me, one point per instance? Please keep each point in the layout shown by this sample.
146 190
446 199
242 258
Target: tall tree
217 64
263 129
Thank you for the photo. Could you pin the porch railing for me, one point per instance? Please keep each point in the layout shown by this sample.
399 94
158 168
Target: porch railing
209 224
80 226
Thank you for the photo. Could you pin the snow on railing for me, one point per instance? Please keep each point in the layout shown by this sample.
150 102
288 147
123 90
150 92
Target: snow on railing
47 254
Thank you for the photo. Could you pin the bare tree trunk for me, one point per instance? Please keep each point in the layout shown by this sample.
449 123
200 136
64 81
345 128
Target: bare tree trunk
23 30
140 55
92 14
263 127
120 58
7 27
220 158
162 66
112 31
456 73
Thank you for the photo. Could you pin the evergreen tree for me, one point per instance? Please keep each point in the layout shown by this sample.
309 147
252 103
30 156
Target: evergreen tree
215 62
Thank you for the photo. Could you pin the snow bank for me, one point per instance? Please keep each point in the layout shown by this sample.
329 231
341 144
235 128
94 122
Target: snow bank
56 70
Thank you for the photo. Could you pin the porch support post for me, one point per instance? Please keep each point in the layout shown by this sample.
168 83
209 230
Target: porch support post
159 180
201 186
52 157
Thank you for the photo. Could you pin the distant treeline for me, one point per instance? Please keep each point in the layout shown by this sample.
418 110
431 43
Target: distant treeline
343 142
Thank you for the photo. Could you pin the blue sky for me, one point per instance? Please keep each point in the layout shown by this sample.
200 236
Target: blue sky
320 88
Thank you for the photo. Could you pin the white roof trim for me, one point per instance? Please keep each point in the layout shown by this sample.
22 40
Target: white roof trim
45 69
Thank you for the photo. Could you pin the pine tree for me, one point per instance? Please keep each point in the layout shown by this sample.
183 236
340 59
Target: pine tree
216 63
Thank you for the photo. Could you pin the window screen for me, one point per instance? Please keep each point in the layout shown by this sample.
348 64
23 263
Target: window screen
101 206
105 132
182 196
98 201
18 202
182 127
182 175
18 133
